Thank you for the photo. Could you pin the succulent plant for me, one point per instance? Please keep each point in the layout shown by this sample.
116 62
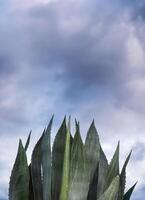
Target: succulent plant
71 170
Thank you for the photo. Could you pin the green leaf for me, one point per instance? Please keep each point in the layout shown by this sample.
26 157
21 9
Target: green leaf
92 154
74 151
77 189
46 162
57 160
28 141
123 178
66 167
95 156
31 193
92 150
129 193
71 137
19 181
113 169
92 194
103 168
112 192
36 163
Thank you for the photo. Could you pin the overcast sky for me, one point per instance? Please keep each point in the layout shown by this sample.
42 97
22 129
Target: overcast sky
80 57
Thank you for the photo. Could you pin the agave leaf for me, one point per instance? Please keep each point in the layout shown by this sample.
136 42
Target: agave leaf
123 178
31 194
92 150
71 137
74 151
92 194
103 168
92 154
46 162
36 163
77 189
129 193
112 192
28 141
113 169
66 167
95 156
19 181
57 160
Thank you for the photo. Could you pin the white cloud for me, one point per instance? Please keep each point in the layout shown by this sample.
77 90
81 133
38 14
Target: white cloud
19 4
135 51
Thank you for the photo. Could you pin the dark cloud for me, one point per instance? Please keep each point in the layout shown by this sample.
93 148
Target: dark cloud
79 51
139 13
82 45
83 48
88 48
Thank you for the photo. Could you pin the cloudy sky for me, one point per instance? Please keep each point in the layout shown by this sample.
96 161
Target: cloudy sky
80 57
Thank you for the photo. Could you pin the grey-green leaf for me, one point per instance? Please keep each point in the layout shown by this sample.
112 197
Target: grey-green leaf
129 193
92 193
28 141
123 178
92 154
31 194
19 181
113 169
66 167
92 150
36 163
103 168
57 160
46 162
112 192
77 189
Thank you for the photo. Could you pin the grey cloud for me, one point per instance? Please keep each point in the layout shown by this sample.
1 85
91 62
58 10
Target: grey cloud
90 53
139 13
83 53
84 47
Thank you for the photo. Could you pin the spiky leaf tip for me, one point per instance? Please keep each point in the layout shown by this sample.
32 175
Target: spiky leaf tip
129 193
58 150
113 169
19 180
46 162
66 167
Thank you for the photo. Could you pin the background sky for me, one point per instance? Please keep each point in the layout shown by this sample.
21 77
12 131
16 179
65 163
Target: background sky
80 57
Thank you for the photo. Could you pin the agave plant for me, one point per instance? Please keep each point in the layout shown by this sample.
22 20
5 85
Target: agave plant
71 170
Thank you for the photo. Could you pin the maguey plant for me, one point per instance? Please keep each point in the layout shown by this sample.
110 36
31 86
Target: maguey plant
70 170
